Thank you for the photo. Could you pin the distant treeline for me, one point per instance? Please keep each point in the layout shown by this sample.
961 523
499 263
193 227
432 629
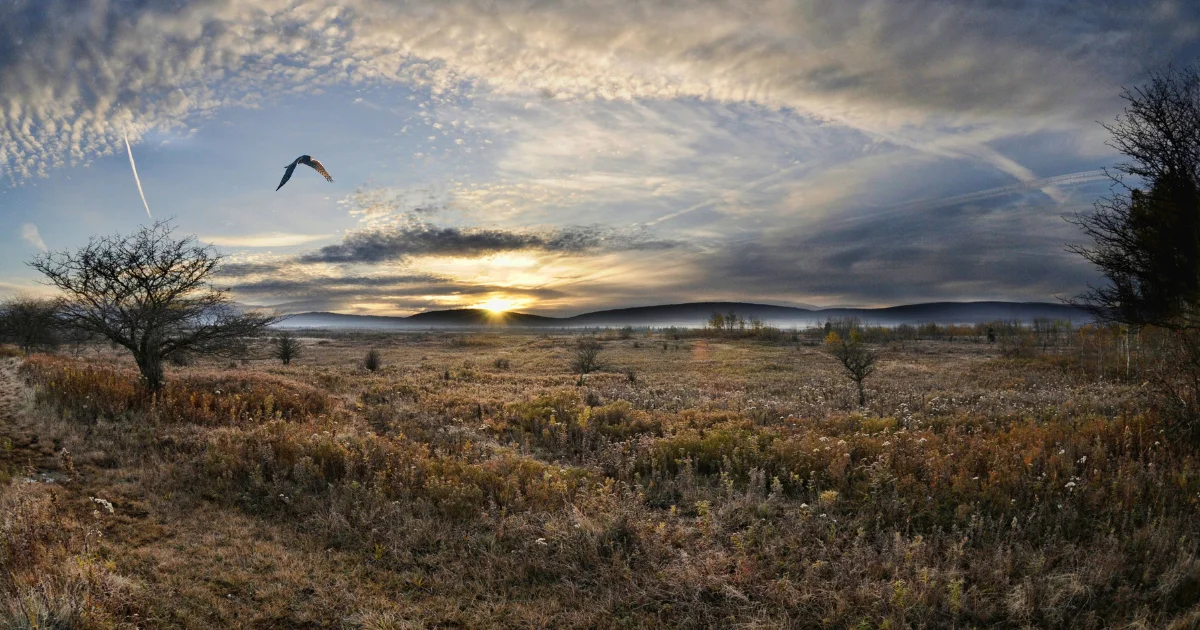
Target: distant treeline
1045 332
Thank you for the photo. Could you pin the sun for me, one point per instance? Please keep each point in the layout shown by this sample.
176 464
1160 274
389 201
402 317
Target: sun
499 305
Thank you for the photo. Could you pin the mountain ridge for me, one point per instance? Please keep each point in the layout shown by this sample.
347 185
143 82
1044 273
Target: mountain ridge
697 313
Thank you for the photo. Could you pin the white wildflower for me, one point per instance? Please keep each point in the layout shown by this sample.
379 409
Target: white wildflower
104 503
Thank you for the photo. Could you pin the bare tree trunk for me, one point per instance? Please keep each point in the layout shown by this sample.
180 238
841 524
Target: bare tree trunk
151 368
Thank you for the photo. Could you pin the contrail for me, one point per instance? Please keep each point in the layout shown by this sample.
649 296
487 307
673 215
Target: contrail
925 205
111 77
741 189
1069 179
136 179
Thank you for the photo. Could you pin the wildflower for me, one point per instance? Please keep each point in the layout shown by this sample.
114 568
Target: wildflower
1070 484
541 541
104 503
887 443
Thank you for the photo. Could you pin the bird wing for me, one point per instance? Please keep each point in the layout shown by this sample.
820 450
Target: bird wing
286 175
320 168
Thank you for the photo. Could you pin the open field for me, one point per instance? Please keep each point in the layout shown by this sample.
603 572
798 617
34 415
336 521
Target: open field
474 481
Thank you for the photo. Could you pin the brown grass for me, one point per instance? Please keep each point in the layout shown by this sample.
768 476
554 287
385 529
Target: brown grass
735 483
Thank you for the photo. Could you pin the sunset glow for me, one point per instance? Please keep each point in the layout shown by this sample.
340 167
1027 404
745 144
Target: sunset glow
500 305
600 155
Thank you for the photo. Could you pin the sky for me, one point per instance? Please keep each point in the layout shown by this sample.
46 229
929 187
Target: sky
558 157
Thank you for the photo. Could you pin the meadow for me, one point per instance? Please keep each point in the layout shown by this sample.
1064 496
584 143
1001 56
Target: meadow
476 480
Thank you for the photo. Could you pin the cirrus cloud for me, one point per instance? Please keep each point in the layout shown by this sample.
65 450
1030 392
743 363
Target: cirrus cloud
75 73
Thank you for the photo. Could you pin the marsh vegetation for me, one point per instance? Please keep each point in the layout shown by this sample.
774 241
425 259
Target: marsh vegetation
1036 481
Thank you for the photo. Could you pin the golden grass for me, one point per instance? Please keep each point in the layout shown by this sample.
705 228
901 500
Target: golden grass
734 483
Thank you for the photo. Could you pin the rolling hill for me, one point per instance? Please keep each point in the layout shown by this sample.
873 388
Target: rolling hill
696 313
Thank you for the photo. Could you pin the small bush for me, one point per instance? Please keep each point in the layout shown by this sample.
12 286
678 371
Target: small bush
373 361
502 363
586 356
287 347
88 392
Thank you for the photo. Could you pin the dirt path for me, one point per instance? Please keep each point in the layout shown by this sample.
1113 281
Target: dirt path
25 453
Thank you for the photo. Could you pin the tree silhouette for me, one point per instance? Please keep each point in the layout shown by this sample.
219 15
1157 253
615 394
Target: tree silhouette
149 293
1146 241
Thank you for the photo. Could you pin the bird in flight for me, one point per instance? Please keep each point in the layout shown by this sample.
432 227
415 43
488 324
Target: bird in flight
303 159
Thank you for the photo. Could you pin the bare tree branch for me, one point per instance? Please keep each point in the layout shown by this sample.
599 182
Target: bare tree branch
150 293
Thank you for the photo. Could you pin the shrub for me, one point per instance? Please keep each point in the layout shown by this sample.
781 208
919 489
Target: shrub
855 357
88 392
287 347
373 361
585 358
311 462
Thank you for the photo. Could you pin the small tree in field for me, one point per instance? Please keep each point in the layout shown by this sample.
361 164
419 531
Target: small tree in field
586 356
287 346
856 357
31 323
149 293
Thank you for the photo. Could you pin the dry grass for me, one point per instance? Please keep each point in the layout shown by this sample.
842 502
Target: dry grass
470 482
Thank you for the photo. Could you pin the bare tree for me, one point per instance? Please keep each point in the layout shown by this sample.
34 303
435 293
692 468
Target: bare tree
287 346
855 356
1146 242
151 294
586 356
31 323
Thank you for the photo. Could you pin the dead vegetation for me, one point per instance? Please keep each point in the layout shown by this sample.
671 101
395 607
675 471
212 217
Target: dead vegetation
733 482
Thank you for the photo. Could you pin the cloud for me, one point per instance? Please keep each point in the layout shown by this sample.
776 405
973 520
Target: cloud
73 73
386 294
996 248
245 268
816 150
30 234
269 239
415 238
